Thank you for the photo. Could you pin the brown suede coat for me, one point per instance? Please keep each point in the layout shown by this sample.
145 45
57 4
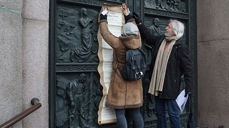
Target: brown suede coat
122 93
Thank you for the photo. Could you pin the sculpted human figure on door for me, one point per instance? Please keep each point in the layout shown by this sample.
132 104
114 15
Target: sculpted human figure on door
86 24
83 52
155 29
76 92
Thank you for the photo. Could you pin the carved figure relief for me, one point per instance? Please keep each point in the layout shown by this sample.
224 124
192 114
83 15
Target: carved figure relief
76 91
81 53
170 5
77 100
76 35
155 28
162 4
63 38
181 6
150 4
176 5
86 24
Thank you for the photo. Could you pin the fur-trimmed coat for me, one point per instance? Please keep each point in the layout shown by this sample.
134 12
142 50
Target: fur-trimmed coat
122 93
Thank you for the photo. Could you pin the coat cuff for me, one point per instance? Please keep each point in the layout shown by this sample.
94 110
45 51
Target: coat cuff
104 20
129 18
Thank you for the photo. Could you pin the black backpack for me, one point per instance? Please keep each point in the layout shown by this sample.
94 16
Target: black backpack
135 65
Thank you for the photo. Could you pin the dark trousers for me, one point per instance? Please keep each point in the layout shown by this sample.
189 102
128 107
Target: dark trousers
173 111
133 113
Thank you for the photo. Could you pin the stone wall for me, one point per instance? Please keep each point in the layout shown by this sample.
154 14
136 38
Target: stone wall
24 60
11 60
213 63
35 60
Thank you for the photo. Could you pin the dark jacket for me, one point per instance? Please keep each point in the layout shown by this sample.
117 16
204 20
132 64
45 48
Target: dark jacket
179 64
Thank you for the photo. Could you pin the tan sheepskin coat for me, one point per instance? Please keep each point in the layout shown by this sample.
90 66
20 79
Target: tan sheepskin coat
122 93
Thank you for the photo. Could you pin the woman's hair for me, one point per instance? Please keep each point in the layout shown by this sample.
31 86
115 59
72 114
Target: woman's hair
178 28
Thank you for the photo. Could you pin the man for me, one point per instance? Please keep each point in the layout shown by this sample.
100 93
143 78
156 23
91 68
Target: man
170 60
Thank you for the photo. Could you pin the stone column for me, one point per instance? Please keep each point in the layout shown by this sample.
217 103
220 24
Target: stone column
11 60
35 60
213 63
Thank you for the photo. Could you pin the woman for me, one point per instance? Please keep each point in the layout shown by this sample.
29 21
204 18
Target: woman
124 96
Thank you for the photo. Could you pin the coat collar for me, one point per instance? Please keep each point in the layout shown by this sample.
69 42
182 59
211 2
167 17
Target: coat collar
178 42
131 42
126 38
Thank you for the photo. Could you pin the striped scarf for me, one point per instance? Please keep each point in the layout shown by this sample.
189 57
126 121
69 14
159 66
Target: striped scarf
158 76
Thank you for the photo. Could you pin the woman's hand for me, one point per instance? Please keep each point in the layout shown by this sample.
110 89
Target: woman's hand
105 11
125 10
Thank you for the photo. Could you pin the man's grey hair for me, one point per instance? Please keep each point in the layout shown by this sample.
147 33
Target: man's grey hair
178 28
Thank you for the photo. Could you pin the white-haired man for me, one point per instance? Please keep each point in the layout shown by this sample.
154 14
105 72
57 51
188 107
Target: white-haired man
170 60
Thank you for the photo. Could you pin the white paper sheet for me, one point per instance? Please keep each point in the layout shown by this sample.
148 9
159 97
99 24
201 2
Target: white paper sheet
115 23
114 18
182 100
107 113
115 30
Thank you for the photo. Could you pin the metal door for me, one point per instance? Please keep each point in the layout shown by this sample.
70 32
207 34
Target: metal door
74 86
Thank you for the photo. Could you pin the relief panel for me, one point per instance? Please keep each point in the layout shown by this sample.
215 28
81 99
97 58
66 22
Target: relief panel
76 35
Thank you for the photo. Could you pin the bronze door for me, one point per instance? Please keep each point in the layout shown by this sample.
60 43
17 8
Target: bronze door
74 86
